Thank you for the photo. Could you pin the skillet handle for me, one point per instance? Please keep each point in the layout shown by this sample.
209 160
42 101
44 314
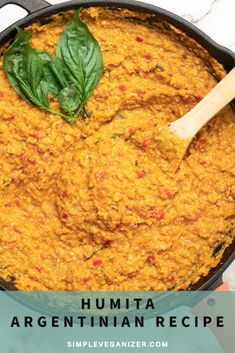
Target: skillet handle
29 5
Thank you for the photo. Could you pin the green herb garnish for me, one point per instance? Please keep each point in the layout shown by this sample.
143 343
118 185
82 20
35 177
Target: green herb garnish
82 59
116 135
24 70
53 72
71 76
121 116
160 67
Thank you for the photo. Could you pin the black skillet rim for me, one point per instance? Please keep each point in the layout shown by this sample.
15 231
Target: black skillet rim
225 56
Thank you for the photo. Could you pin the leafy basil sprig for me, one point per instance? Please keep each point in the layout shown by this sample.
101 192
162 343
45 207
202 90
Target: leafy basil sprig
71 76
24 70
82 59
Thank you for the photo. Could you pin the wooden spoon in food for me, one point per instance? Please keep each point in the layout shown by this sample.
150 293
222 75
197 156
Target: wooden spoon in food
187 127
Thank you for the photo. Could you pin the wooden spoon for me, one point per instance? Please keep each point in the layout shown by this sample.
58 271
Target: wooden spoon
187 127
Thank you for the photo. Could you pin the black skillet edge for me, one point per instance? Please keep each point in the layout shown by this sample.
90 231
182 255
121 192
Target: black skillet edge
223 55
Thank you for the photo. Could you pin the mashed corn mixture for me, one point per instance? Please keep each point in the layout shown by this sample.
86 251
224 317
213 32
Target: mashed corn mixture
94 206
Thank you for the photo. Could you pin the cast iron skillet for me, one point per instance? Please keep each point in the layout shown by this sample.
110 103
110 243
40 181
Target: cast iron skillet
40 10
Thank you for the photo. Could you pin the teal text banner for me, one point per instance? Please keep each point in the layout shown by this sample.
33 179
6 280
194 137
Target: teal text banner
171 322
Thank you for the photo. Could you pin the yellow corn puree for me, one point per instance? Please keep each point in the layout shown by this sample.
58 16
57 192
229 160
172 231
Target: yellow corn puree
94 206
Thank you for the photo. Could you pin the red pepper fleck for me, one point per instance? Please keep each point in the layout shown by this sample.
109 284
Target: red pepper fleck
122 88
11 117
97 262
131 275
186 98
144 145
151 259
21 156
140 174
43 257
86 280
139 39
133 225
148 57
106 241
169 193
34 148
171 278
35 136
205 164
32 161
103 175
18 202
8 204
39 150
65 215
11 246
131 131
118 225
157 214
38 269
41 221
141 93
1 95
13 180
191 217
198 98
64 194
200 144
15 229
142 213
214 245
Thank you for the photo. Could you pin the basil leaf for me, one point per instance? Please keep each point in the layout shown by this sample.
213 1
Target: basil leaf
69 99
13 61
81 55
53 72
71 76
24 70
35 76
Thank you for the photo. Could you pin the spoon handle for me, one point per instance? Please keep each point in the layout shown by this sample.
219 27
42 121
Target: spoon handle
222 94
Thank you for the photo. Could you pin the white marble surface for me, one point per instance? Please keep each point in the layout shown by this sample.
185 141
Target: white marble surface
214 17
